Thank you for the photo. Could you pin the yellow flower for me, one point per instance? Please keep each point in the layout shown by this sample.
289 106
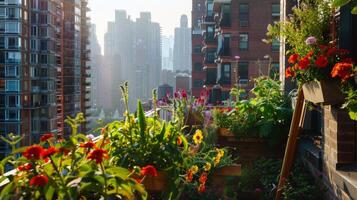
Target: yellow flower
198 137
217 160
220 152
194 169
207 167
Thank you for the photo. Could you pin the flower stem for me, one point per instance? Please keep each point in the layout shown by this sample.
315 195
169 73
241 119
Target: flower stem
105 181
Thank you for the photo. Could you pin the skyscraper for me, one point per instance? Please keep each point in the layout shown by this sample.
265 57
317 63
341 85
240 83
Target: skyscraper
33 65
182 46
133 52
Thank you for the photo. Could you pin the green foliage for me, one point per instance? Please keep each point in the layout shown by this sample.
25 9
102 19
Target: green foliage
311 18
72 170
267 115
262 178
340 3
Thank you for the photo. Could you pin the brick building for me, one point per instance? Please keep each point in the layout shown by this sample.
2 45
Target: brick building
36 69
232 39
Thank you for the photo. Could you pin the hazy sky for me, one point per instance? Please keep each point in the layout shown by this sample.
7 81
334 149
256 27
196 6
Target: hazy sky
166 12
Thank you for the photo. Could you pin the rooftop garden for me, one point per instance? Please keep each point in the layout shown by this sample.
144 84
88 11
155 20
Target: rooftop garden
197 151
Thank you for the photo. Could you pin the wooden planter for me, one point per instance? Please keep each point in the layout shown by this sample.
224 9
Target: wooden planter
160 183
325 92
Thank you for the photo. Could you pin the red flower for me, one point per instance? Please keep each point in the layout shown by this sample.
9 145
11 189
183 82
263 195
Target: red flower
89 145
203 178
201 188
321 61
149 170
64 150
342 70
98 155
33 152
49 152
25 167
289 72
293 58
184 94
331 51
322 47
46 137
179 141
304 63
189 176
39 180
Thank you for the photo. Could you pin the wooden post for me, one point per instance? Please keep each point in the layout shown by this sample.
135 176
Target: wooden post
291 143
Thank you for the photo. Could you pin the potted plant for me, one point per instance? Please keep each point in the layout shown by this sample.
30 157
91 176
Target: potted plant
77 168
141 140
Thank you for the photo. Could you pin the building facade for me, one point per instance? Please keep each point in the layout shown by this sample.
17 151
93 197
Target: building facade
182 46
133 53
234 53
198 75
32 67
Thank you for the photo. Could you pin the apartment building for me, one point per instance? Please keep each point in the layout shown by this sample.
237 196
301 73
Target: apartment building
33 67
182 46
234 53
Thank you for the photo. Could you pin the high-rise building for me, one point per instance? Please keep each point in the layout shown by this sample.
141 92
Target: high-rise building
234 51
96 67
33 66
182 46
133 52
167 52
198 75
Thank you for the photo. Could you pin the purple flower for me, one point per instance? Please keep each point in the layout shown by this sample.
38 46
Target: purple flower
311 40
90 137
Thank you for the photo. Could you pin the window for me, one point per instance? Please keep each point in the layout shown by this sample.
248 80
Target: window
198 67
226 72
13 13
34 30
12 115
2 26
33 45
210 34
243 41
11 71
243 71
226 15
211 77
210 9
243 14
13 57
12 86
275 11
12 27
43 45
13 43
13 101
210 56
275 46
197 49
2 42
33 58
2 12
2 100
226 45
198 83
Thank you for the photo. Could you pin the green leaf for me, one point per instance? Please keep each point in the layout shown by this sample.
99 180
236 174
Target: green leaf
141 120
118 172
353 115
6 193
49 192
19 150
339 3
354 10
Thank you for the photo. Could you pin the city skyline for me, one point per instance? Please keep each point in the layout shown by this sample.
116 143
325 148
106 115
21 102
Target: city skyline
166 13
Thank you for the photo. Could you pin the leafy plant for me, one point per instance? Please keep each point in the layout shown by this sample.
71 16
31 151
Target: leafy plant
340 3
142 140
68 169
259 116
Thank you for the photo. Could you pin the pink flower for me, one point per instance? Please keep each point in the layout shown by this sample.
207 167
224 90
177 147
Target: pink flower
311 40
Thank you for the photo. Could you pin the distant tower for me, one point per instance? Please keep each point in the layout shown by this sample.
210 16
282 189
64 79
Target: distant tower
182 46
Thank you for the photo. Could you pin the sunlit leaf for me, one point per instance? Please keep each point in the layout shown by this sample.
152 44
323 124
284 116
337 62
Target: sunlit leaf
339 3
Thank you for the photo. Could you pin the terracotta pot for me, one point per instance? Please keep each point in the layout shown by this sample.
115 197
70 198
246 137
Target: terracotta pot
234 170
158 183
325 92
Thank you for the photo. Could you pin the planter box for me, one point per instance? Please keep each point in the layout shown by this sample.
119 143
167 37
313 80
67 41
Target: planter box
325 92
160 183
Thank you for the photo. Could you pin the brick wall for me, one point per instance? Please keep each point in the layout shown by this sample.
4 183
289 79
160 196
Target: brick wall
339 154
